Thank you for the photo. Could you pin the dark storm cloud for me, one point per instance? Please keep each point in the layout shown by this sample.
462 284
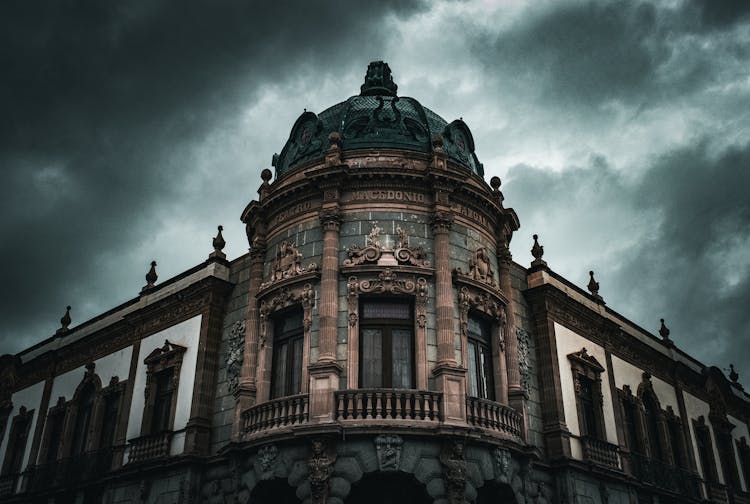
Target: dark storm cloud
101 102
684 223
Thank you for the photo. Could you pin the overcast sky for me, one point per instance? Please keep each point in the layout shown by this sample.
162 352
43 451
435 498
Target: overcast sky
621 132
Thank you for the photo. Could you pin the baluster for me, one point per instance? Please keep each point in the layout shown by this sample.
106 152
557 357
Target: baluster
399 405
339 404
419 406
368 402
388 404
350 405
378 405
360 410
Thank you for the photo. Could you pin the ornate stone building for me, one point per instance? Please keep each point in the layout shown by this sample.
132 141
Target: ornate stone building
377 344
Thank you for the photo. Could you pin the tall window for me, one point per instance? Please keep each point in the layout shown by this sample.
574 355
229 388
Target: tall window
744 452
163 400
387 344
19 434
651 417
85 409
631 426
481 383
109 420
162 382
54 432
588 390
705 450
288 341
675 441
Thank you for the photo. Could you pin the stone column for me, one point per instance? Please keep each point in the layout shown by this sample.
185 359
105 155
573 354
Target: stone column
504 259
245 395
324 374
450 378
330 219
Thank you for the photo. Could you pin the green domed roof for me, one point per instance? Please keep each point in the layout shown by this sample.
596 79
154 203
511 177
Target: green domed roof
376 118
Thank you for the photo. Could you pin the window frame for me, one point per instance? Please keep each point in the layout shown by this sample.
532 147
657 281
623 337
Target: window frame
586 366
20 427
483 376
160 359
295 334
708 461
387 326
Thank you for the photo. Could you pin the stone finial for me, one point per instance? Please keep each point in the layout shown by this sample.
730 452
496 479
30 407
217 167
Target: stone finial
495 183
537 251
593 286
733 375
333 154
664 331
151 277
64 321
266 175
378 80
437 143
218 244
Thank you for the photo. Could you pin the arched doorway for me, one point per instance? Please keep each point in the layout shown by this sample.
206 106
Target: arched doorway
388 488
495 493
275 491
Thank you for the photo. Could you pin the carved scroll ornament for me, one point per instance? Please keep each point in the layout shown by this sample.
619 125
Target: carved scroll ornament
375 253
288 264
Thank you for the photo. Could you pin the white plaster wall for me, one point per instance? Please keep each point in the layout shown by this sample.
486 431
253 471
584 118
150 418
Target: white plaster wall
628 374
114 364
31 398
567 343
740 430
184 334
694 408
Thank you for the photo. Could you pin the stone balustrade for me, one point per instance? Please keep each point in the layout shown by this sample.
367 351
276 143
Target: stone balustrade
149 447
388 404
282 412
601 452
493 416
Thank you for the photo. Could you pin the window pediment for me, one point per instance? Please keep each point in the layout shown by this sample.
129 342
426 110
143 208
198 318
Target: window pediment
165 355
586 361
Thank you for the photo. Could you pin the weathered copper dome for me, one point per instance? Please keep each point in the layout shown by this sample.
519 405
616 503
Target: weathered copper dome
376 118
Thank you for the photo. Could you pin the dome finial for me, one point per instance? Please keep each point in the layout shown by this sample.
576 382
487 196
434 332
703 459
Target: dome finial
537 251
378 80
64 321
218 244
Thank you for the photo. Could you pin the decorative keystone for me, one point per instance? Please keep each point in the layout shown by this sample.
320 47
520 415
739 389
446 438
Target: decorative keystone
218 244
593 286
64 321
664 332
151 277
537 251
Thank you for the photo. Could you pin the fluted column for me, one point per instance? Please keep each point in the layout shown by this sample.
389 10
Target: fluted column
330 219
245 395
504 259
441 226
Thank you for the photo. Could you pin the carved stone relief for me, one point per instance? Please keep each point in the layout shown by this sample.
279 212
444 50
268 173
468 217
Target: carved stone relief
503 463
479 267
320 468
374 252
388 448
288 264
524 363
235 351
265 463
454 472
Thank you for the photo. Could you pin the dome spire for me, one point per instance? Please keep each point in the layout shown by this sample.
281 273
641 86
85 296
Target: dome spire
378 80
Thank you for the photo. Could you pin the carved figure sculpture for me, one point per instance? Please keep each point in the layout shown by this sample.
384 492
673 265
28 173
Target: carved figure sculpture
454 472
320 467
388 448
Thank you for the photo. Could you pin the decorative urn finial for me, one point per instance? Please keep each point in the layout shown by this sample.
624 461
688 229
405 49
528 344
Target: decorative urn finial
593 285
537 251
664 331
151 277
218 244
64 321
378 80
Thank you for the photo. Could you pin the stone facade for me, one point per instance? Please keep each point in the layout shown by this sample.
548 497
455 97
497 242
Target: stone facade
377 343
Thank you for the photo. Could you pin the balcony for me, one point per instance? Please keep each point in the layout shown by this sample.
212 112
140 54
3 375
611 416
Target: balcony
376 407
277 413
149 447
665 477
490 415
388 405
601 452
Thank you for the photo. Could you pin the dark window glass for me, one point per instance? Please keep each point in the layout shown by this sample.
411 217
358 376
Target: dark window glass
164 382
726 455
17 445
586 395
55 426
675 442
652 428
703 440
109 421
631 426
481 383
286 375
386 344
84 411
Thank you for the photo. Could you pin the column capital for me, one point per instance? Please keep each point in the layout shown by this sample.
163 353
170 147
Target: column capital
441 221
331 218
504 256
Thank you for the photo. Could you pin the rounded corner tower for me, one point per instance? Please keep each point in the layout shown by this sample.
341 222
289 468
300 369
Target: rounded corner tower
379 302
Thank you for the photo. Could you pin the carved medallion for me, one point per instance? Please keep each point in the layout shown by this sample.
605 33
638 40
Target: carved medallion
265 463
288 264
388 448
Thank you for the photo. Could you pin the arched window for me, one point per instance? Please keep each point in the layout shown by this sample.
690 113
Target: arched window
386 343
288 341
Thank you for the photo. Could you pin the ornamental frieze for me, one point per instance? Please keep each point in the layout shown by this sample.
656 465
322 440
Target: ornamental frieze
377 250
